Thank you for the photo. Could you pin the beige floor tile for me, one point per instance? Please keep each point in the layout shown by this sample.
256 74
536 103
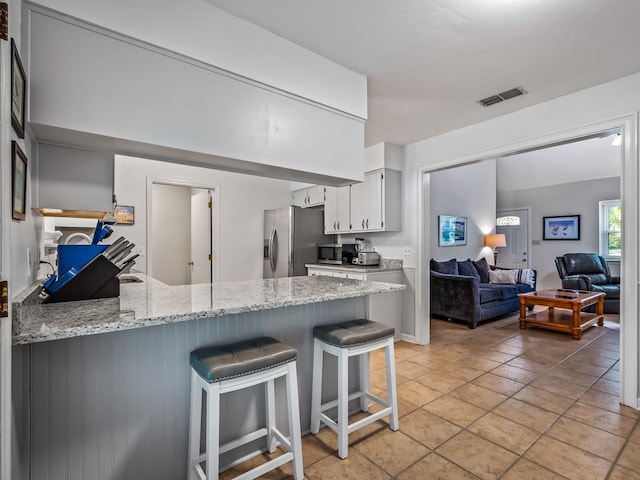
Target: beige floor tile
378 379
541 398
409 369
530 365
510 349
590 439
607 386
523 469
280 473
559 386
440 381
465 373
355 467
314 449
525 414
391 451
566 460
495 355
479 396
454 410
630 457
515 373
592 357
566 374
582 367
427 428
607 402
417 393
435 467
477 455
504 432
613 375
404 407
635 434
498 384
621 473
603 419
478 363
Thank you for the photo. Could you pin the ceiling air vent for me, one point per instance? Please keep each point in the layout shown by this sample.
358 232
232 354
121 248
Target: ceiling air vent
506 95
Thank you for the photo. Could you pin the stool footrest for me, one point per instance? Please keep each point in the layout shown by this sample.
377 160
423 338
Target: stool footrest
385 412
238 442
334 403
265 467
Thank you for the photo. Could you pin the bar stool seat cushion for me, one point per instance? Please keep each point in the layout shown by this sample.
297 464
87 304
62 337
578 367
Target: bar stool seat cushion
222 362
352 333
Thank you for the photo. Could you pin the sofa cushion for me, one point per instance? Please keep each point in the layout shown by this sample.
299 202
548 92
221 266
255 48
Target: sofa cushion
489 294
482 266
450 267
504 292
612 291
467 269
526 275
502 276
583 263
597 278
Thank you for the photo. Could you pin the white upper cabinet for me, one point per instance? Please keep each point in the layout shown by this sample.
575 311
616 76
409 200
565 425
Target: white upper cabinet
375 203
337 210
308 197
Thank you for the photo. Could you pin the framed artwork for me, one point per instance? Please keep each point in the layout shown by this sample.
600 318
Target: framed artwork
124 215
452 231
18 91
561 228
18 182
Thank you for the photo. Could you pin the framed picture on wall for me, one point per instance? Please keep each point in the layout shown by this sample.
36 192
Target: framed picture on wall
18 182
18 91
124 215
561 228
452 230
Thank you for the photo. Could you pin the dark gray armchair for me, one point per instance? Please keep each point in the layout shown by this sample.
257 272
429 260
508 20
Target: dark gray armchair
588 271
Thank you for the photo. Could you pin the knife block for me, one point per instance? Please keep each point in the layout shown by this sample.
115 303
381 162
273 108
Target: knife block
97 279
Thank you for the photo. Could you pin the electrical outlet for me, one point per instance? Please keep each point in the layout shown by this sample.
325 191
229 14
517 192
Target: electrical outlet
140 250
406 251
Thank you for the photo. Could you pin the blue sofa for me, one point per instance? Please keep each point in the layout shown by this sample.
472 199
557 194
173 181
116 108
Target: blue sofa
468 290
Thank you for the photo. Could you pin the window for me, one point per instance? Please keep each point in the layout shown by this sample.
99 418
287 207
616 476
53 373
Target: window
611 229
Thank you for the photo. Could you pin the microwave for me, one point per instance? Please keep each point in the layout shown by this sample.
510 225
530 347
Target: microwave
336 253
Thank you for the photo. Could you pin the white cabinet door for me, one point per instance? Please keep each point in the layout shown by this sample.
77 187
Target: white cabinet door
308 197
358 207
375 203
336 210
373 184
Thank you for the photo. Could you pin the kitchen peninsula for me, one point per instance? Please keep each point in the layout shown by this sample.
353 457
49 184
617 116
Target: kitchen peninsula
106 382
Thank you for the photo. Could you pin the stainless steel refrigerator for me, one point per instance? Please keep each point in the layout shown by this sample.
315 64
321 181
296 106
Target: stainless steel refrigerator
291 238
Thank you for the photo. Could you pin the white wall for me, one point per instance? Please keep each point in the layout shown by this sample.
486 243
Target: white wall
242 200
198 30
576 198
171 219
467 191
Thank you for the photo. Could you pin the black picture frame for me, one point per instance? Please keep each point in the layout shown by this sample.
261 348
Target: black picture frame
18 182
452 230
18 91
565 227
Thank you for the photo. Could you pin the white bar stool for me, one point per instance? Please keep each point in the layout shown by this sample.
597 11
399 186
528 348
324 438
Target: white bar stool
226 368
344 340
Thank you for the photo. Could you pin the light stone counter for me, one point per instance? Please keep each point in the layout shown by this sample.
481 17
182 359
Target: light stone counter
152 303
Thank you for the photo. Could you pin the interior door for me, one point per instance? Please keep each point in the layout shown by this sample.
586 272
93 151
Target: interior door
201 235
515 226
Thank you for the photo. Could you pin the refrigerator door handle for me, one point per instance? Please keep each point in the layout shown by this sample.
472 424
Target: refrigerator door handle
273 250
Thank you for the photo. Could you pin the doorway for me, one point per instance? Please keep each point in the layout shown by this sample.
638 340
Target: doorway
514 224
180 233
627 126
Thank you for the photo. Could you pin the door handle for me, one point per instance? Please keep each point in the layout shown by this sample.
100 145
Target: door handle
367 223
334 226
190 264
338 224
363 223
271 242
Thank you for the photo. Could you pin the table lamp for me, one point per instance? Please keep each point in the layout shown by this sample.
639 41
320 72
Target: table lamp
495 240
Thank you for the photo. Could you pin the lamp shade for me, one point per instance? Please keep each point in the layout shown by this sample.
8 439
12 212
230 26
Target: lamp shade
494 240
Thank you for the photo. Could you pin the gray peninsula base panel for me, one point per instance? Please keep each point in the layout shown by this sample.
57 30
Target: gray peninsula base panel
115 405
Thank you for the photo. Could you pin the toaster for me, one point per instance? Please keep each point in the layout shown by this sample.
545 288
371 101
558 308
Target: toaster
368 258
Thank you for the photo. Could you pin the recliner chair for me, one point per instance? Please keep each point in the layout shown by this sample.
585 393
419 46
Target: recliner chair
588 271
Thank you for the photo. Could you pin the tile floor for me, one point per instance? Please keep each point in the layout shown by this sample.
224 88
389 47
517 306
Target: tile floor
494 403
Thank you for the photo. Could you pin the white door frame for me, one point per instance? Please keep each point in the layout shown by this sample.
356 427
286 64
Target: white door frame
215 220
628 126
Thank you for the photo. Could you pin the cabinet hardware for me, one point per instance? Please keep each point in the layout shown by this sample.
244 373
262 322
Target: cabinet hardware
4 299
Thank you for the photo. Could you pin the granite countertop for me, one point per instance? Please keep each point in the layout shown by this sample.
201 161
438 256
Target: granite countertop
386 265
154 303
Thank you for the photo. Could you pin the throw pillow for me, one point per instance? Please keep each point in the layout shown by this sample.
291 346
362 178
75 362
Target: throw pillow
502 276
482 266
450 267
527 276
467 269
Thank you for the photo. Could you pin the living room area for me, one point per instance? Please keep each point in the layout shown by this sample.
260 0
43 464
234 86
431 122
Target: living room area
528 193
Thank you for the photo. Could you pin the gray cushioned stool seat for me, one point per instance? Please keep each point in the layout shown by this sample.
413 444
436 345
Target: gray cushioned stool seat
353 332
222 362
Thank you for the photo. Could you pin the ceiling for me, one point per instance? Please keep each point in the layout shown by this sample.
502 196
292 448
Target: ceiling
429 61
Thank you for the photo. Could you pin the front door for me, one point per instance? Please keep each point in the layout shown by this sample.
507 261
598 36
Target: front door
515 226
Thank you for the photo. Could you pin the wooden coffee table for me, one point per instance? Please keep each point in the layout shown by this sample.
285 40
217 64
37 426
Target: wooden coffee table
574 322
